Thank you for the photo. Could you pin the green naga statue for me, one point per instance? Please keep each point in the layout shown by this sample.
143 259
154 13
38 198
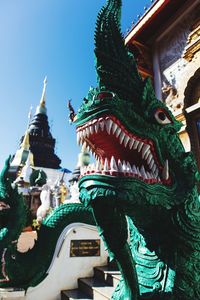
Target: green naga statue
143 184
30 268
143 181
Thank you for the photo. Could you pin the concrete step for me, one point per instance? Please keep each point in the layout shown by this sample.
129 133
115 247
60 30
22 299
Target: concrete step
12 293
95 288
98 287
75 294
111 277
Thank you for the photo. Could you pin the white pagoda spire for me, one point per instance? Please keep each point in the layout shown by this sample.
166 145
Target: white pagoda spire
41 109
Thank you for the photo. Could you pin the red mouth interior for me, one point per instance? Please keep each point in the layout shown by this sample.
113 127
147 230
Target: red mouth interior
106 146
121 152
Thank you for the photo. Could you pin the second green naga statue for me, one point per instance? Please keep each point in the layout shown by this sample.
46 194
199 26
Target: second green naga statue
143 180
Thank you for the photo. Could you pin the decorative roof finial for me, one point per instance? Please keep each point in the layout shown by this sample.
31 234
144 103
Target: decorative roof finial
25 143
41 108
43 98
72 113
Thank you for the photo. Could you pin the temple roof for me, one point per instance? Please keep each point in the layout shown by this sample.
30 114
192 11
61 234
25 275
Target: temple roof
158 14
42 144
23 152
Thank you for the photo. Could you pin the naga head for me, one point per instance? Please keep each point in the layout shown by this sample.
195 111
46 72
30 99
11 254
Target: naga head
132 134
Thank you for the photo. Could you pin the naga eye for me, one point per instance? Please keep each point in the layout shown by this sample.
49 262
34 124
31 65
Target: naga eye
13 256
162 117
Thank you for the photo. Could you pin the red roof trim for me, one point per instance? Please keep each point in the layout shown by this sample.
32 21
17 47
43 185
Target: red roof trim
149 20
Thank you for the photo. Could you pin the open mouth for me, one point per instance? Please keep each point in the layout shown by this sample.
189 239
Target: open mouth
4 206
119 152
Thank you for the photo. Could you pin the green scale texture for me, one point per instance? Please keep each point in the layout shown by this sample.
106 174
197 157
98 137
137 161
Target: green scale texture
28 269
162 260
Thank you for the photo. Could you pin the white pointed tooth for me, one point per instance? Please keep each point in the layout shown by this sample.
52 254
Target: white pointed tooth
93 167
147 155
81 134
102 123
120 167
88 148
149 158
98 166
151 163
143 172
131 143
138 172
121 137
84 146
109 123
134 169
105 167
96 127
152 175
91 129
114 128
148 175
118 131
136 144
140 146
84 133
145 149
165 172
78 137
156 172
87 132
124 167
113 164
154 168
129 169
94 121
126 140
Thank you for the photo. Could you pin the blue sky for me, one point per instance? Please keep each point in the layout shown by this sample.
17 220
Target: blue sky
53 38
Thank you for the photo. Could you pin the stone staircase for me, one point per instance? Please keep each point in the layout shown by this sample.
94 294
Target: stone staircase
98 287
